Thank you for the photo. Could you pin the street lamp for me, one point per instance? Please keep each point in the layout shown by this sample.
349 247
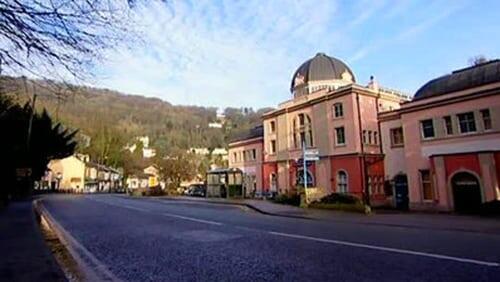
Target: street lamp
59 176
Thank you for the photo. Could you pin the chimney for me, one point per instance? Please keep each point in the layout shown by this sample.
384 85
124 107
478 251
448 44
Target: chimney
373 84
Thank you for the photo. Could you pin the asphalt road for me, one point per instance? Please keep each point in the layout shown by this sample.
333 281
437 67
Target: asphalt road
162 240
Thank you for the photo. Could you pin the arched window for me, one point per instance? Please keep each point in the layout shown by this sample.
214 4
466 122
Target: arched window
302 131
342 182
273 181
300 178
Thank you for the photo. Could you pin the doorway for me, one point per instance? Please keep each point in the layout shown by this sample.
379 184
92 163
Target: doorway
401 192
466 192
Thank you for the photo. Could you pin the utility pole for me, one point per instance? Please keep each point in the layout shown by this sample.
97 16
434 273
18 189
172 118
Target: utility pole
32 114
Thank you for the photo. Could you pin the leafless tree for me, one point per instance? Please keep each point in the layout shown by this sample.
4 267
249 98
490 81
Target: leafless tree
477 60
47 37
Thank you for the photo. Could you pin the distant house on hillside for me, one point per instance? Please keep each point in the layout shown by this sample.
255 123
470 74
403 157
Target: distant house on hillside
215 125
216 152
78 174
147 152
147 178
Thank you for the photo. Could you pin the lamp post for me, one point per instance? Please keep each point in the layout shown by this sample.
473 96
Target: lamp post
59 177
304 163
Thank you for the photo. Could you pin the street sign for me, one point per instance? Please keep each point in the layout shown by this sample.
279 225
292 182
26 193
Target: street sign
312 152
312 158
301 162
23 172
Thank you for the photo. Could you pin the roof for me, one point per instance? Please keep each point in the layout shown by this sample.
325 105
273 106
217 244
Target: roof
320 67
462 79
223 170
255 132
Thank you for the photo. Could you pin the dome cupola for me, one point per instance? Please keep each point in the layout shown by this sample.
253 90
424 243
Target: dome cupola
320 72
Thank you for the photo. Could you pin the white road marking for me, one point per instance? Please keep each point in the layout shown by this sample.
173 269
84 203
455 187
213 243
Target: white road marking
387 249
134 208
323 240
165 214
192 219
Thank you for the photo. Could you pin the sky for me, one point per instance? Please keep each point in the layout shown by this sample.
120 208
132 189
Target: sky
243 53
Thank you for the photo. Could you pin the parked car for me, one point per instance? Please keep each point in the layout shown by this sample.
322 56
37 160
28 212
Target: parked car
197 190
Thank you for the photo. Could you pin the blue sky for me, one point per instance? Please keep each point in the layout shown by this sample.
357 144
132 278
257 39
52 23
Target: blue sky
243 53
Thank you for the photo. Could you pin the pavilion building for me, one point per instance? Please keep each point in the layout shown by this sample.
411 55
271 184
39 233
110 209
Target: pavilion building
376 143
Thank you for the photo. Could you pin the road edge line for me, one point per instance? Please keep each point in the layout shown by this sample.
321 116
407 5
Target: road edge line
93 271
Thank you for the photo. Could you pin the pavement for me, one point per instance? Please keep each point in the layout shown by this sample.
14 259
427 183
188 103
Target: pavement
144 239
262 206
24 254
437 221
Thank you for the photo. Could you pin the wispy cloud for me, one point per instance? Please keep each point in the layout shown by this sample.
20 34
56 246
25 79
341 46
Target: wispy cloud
243 53
412 30
233 53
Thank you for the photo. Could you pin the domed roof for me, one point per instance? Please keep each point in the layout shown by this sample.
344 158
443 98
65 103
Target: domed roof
321 67
474 76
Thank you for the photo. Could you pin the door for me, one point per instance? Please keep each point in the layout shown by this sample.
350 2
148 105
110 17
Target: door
466 192
401 191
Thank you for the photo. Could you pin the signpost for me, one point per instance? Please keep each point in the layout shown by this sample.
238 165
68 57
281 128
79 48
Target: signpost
308 155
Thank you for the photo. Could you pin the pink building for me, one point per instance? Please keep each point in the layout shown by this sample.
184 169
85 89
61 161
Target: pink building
442 149
328 112
245 153
437 151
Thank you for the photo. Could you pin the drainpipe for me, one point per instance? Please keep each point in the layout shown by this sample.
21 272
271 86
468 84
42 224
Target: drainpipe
366 195
379 130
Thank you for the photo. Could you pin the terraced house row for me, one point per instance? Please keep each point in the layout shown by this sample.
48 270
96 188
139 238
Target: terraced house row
439 150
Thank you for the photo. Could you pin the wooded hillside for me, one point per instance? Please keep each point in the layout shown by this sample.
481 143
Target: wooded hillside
107 116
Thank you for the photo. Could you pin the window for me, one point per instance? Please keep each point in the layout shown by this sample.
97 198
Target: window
340 136
369 136
485 114
338 110
375 137
448 127
272 126
427 128
381 185
370 186
466 122
302 131
364 136
342 182
272 149
273 181
397 138
254 154
425 181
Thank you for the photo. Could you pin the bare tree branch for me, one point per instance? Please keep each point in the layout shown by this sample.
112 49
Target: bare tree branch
69 36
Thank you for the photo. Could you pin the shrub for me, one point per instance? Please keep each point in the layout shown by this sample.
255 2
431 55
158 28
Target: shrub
155 191
339 198
341 207
293 199
342 202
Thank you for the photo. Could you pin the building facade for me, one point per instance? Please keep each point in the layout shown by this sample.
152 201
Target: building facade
245 153
442 149
78 174
375 143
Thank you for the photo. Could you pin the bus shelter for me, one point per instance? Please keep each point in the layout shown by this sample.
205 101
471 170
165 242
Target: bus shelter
225 183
